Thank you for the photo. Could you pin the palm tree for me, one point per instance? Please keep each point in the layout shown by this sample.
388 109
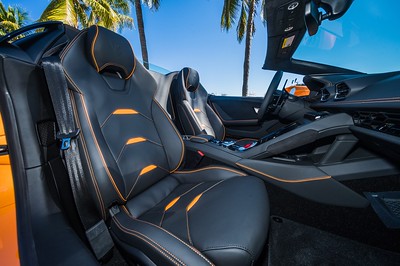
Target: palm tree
12 18
154 5
111 14
245 26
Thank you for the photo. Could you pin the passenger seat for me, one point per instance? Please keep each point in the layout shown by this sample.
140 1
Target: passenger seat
132 154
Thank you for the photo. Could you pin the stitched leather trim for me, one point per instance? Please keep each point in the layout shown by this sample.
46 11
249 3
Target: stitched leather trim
284 180
229 246
149 241
135 140
177 133
88 160
134 63
147 169
92 50
197 137
142 172
125 112
211 168
193 202
378 100
169 233
172 203
111 178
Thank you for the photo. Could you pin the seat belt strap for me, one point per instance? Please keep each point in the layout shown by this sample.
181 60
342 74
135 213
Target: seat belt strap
95 228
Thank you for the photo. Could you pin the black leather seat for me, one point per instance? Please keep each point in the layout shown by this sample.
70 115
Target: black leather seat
194 115
131 155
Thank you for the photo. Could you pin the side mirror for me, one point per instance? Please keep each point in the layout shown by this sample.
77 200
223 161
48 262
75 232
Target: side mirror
334 9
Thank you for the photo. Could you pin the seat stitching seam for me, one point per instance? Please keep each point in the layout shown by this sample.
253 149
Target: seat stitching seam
150 241
147 140
85 152
138 177
100 152
229 246
177 133
112 114
187 118
181 195
169 233
211 168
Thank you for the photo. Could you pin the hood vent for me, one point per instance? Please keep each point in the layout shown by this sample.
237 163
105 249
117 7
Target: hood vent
342 90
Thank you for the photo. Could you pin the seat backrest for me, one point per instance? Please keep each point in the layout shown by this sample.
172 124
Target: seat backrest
128 141
194 115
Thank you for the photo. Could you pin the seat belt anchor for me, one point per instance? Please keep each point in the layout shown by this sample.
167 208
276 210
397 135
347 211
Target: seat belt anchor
66 138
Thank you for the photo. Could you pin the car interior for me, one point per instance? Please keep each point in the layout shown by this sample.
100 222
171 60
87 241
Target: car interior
116 164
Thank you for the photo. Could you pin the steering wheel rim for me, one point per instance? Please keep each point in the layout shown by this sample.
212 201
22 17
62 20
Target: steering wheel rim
273 86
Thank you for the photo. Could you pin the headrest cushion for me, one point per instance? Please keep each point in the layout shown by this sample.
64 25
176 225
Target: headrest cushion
191 79
110 52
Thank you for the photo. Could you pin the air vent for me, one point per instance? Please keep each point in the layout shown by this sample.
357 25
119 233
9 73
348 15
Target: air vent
383 122
325 95
342 90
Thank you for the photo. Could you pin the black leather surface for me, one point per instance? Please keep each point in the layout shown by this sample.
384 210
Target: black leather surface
193 113
119 56
131 153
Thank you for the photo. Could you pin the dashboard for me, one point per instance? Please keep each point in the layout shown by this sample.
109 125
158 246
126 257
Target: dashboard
373 101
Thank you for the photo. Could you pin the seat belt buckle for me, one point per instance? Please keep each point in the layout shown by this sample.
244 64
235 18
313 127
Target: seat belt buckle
66 138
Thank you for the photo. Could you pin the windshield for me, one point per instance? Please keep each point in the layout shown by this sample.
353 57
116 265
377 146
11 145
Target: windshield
365 39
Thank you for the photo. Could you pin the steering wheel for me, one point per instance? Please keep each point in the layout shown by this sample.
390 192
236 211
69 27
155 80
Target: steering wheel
273 86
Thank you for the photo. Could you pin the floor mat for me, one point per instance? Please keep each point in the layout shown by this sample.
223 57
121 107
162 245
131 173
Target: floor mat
291 243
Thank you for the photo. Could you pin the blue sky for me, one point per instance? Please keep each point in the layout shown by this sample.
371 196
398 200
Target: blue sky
187 33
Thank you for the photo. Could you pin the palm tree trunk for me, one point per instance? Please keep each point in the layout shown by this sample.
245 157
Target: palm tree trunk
142 36
249 37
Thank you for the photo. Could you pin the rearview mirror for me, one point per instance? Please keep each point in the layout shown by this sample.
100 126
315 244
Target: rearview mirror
334 9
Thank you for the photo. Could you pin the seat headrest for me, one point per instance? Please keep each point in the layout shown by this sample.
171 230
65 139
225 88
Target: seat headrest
191 78
110 52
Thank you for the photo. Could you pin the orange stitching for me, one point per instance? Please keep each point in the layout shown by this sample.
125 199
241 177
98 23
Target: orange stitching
188 229
211 168
147 240
93 44
284 180
134 63
68 47
86 152
177 133
111 114
169 233
99 150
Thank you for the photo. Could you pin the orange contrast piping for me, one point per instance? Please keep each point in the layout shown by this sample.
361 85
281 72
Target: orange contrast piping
193 202
93 44
135 140
172 203
285 180
211 168
99 150
147 169
177 133
125 112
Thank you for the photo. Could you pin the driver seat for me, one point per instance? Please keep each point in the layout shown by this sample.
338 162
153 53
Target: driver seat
193 114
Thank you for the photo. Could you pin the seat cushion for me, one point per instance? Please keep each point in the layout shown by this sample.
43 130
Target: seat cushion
221 213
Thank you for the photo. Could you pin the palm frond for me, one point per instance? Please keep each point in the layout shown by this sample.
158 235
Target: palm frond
61 10
229 13
241 27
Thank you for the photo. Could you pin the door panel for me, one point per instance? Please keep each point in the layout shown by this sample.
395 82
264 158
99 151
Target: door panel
239 116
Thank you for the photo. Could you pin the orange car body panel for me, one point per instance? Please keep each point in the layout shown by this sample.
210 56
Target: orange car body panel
298 90
8 222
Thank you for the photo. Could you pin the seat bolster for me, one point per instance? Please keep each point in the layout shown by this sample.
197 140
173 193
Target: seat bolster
206 174
216 123
162 247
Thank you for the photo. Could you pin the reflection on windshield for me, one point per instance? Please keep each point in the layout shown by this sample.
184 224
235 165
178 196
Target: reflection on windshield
366 39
